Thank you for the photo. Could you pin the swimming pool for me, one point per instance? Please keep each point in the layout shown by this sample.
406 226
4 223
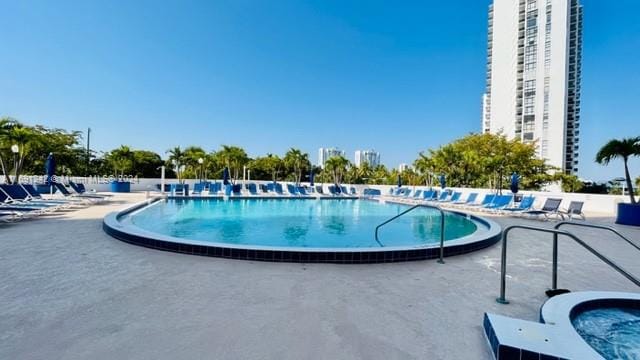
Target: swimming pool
292 229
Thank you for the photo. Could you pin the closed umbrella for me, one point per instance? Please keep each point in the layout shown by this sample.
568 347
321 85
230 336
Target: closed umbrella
515 182
443 181
311 177
50 169
225 176
399 181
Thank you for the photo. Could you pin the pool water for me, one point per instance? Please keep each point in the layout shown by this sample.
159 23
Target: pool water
299 223
613 332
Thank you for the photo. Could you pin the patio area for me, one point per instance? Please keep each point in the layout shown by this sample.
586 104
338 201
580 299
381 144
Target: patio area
70 291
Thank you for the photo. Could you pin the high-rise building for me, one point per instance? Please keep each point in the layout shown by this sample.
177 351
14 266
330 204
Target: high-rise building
325 153
533 76
370 157
403 167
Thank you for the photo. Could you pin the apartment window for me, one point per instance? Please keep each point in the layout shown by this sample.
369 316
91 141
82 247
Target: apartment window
528 136
530 84
544 147
529 126
531 5
529 110
530 66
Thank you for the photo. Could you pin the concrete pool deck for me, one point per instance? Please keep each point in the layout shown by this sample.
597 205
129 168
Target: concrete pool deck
70 291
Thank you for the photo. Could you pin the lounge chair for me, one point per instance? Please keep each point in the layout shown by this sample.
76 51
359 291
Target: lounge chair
470 200
197 189
454 197
352 191
80 189
278 189
428 195
499 202
549 208
319 189
443 197
488 199
417 194
302 191
253 190
292 190
574 209
15 195
525 204
63 190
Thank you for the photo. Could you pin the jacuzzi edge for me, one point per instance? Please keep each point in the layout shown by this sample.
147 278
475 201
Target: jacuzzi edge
137 236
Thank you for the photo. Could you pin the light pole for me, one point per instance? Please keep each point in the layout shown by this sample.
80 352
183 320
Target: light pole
15 149
201 161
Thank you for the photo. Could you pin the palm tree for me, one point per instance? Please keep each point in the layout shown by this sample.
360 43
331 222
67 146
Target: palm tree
337 165
177 159
121 159
624 149
234 158
298 161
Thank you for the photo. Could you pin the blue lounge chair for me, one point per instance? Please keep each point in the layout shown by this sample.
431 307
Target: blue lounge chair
198 188
63 190
352 191
488 199
292 190
319 189
417 194
15 195
253 190
470 200
278 189
525 204
343 190
428 195
454 197
80 189
443 197
499 202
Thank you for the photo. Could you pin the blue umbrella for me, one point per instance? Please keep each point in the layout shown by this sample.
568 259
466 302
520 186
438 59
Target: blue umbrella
50 168
399 181
311 177
225 176
515 182
443 181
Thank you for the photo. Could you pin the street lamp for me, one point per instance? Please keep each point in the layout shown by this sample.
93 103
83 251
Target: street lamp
15 149
201 161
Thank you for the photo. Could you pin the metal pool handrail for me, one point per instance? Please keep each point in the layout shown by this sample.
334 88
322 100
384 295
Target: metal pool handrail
503 265
441 260
594 226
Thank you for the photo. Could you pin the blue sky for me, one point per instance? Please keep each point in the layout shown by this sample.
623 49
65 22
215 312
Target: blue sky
269 75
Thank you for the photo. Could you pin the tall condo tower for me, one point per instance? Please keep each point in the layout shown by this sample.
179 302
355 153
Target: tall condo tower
533 76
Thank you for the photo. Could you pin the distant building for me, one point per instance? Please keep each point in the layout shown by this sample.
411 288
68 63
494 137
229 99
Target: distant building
326 153
402 167
533 78
370 157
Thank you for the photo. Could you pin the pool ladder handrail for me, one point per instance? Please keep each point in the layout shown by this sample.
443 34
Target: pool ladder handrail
503 266
441 259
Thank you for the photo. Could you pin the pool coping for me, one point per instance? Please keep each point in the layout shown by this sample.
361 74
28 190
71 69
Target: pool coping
135 235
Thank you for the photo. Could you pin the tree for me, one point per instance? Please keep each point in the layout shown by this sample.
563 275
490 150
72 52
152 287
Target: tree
336 166
146 164
624 149
121 160
266 167
570 183
484 160
233 157
176 161
297 162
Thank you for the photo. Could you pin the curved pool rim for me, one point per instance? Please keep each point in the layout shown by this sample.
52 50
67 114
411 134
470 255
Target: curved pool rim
113 226
560 311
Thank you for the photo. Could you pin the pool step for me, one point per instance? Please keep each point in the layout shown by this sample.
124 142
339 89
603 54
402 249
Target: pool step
515 339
